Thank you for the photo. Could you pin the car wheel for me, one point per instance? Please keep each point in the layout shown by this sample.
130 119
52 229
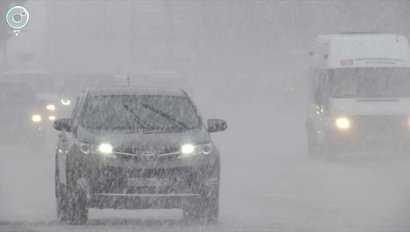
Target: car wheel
72 203
77 210
204 210
61 206
61 209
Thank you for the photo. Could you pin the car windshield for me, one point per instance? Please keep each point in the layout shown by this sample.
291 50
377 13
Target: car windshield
140 113
370 83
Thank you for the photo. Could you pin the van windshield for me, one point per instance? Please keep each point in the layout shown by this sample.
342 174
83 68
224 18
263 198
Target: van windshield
370 83
144 113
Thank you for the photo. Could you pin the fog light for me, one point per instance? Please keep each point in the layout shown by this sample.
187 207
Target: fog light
343 123
206 149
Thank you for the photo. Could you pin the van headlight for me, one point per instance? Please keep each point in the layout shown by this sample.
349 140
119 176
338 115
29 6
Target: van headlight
188 150
343 123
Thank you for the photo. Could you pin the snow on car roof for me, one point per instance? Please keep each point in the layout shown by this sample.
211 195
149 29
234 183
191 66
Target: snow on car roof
361 50
140 90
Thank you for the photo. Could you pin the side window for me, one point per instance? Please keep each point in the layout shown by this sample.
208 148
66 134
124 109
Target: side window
321 94
77 110
313 82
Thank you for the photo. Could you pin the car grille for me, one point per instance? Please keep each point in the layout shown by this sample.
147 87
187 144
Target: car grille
381 125
114 180
146 153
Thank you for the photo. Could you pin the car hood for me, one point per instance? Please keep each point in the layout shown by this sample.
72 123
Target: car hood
145 140
371 106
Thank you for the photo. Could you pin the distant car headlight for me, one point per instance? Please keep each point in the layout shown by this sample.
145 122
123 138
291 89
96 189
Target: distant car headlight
188 150
65 102
36 118
343 123
51 117
51 107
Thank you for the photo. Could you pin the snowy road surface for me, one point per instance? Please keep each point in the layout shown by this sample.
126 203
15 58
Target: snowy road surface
268 184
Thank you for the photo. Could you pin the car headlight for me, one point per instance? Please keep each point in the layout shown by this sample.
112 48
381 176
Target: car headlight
103 149
36 118
188 150
51 107
65 102
343 123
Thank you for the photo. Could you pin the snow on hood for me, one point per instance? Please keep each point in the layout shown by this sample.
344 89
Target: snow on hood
370 106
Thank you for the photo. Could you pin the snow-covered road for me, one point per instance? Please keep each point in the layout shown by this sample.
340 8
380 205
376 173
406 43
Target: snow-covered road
268 184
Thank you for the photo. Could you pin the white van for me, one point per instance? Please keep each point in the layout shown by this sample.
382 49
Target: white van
359 93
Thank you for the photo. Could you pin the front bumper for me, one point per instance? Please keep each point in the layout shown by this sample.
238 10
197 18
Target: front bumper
142 201
106 181
370 132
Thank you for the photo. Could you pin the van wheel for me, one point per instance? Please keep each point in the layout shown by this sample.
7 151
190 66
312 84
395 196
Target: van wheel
315 150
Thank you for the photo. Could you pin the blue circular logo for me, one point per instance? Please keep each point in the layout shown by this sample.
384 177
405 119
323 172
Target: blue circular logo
17 17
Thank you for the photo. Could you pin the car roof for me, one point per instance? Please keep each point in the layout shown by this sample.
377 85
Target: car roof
140 90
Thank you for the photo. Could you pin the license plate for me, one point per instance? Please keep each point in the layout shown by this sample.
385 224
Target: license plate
144 182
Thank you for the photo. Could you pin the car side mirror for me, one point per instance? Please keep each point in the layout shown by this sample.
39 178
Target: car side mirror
215 125
63 124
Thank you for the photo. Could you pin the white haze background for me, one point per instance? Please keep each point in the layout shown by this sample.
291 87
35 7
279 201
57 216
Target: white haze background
248 64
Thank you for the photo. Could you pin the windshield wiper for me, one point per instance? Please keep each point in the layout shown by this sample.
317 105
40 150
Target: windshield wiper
137 119
166 116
